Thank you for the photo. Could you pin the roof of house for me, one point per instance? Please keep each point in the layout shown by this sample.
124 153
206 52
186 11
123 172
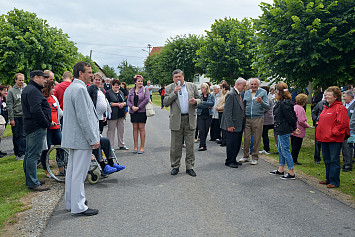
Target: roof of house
155 50
100 69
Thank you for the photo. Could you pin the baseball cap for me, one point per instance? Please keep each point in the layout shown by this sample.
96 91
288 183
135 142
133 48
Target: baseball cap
38 73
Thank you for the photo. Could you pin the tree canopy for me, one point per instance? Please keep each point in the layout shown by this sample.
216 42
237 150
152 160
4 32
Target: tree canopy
110 71
306 41
178 53
226 52
128 71
28 43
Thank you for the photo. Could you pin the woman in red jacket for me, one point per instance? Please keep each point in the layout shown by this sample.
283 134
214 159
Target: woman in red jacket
332 126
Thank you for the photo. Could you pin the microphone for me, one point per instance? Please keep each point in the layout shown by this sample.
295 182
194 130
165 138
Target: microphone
179 83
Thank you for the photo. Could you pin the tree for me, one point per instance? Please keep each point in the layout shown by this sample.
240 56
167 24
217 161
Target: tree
226 52
28 43
178 53
307 41
110 71
155 70
127 72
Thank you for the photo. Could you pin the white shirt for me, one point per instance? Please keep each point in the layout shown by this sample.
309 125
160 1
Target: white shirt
101 105
184 99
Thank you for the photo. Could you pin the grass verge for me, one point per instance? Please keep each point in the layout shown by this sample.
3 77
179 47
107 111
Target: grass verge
12 187
8 131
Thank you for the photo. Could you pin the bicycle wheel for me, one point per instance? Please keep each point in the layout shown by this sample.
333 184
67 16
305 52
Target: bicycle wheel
57 160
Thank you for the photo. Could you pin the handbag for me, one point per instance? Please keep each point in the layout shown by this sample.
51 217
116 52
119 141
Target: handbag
149 109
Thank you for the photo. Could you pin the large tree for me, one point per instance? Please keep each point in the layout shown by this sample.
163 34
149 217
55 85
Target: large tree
306 41
128 71
28 43
110 71
226 52
178 53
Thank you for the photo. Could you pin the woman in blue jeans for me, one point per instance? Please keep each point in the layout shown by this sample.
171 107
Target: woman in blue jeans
285 123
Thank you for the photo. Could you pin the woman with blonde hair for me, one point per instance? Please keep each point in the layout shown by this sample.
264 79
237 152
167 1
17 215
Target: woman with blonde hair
285 123
204 115
296 140
138 98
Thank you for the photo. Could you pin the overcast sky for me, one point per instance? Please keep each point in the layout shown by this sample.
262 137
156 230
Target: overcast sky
121 29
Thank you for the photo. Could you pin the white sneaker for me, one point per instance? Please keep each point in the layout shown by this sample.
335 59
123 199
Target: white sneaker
244 159
19 157
254 162
262 152
267 153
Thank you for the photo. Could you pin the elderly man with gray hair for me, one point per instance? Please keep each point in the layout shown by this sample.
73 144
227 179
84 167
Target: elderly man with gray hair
256 102
348 148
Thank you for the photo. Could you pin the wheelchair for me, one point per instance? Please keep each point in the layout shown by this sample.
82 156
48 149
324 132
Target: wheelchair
57 161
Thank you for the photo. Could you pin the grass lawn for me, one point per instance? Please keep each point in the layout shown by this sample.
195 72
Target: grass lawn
12 187
157 100
8 131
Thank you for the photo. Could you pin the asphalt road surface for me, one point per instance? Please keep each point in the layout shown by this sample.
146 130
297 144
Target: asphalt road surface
145 200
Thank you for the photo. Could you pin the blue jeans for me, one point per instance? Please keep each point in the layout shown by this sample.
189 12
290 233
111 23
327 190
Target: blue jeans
162 100
19 137
331 158
283 147
34 148
54 137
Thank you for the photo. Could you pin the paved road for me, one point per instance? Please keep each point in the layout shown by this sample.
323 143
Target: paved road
145 200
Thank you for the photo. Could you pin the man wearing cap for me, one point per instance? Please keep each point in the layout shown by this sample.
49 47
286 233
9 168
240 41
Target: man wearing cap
36 118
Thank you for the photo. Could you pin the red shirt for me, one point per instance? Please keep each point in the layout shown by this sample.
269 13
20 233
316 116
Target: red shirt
54 110
59 91
333 123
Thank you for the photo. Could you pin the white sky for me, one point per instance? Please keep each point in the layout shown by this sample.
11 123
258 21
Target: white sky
119 29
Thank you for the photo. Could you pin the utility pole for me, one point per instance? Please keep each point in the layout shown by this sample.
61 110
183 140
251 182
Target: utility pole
90 53
149 47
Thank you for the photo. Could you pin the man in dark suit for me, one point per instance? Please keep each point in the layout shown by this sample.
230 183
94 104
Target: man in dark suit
107 85
233 120
348 147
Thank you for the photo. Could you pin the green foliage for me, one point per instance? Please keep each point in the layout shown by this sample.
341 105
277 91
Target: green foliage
110 71
28 43
226 52
128 71
307 41
80 57
178 53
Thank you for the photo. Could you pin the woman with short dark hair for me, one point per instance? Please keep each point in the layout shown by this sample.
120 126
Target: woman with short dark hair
116 121
333 126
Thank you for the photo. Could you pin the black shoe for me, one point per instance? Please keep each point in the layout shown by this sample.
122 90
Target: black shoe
174 171
88 212
42 181
277 172
347 169
3 153
288 176
40 188
191 172
239 163
223 144
232 165
297 163
219 141
276 153
317 162
202 149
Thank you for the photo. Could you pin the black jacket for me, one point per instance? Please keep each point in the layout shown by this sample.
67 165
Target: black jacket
112 97
285 120
93 93
4 110
317 110
35 107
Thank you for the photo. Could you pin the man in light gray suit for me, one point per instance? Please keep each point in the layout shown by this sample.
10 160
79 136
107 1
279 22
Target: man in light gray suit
81 135
233 121
183 99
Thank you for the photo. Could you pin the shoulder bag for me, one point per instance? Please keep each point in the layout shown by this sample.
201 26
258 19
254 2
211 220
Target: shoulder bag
149 110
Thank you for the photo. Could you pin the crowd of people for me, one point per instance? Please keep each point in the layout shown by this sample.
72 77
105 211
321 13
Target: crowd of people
73 114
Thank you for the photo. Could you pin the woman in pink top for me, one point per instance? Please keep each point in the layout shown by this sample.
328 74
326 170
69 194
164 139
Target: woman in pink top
296 140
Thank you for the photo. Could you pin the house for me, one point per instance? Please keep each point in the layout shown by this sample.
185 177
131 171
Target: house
101 72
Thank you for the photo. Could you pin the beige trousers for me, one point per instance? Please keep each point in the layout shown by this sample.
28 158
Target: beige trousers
176 145
116 124
255 127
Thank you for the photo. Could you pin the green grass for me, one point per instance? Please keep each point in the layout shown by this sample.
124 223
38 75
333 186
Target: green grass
306 158
8 131
12 187
157 100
